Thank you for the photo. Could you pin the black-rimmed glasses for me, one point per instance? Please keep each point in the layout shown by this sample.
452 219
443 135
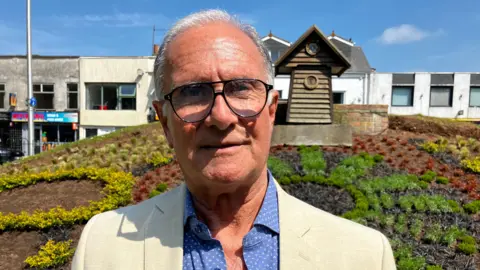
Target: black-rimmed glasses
194 102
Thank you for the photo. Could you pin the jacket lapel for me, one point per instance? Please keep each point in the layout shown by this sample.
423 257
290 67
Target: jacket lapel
164 232
295 253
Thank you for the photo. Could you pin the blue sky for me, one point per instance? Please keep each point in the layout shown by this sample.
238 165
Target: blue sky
402 36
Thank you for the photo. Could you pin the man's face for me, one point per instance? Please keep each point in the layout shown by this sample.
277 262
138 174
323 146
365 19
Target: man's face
223 148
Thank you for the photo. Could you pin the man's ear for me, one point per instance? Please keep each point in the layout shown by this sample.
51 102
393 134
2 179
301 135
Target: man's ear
272 108
158 105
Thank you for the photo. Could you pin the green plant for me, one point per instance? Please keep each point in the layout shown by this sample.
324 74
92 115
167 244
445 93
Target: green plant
285 180
296 179
428 176
454 206
387 200
312 161
433 234
434 267
406 203
467 248
162 187
451 235
416 228
373 201
472 207
279 168
401 225
442 180
52 254
413 263
378 158
467 239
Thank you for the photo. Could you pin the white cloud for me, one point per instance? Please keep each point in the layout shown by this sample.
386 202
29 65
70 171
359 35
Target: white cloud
118 19
406 33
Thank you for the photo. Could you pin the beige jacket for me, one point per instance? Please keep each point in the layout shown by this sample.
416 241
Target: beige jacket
150 236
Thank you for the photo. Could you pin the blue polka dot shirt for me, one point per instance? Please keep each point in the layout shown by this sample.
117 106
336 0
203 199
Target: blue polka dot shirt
260 245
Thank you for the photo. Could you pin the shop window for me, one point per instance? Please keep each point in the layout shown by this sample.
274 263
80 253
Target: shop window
72 96
44 93
338 97
91 132
2 96
111 96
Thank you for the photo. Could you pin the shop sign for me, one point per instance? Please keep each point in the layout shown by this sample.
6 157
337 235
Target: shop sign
47 117
4 116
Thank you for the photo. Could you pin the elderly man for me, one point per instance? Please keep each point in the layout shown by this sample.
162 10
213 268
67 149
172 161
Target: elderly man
217 107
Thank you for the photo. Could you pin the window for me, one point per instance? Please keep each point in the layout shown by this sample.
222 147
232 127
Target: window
475 96
280 94
111 97
441 96
338 97
2 96
402 96
72 96
91 132
44 94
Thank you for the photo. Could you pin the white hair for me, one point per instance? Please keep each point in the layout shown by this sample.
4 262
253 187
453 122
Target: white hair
199 19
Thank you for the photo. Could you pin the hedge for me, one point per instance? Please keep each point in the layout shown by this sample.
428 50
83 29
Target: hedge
117 191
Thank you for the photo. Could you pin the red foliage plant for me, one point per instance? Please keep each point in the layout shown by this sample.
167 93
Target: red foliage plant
419 154
430 163
444 168
384 139
400 154
390 143
403 143
458 172
411 148
393 148
370 139
383 153
389 160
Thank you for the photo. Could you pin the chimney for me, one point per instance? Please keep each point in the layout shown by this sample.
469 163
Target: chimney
156 48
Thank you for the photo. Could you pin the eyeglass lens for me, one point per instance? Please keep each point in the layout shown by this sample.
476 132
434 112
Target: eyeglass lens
193 102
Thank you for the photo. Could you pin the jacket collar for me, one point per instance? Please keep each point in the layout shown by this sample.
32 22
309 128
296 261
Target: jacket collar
163 232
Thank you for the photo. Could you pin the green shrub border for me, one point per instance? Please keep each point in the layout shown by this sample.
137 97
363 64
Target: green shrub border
117 191
361 202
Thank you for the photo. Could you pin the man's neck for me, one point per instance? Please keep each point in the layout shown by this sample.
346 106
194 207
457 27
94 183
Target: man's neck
231 212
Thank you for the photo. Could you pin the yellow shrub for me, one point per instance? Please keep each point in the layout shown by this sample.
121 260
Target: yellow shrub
51 254
472 164
433 147
117 191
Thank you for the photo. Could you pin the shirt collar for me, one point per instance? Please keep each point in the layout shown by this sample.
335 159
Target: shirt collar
267 216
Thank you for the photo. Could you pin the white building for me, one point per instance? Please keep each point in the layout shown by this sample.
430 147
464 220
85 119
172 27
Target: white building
448 95
351 88
115 92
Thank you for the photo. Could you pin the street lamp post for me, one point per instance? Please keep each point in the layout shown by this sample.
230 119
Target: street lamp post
30 86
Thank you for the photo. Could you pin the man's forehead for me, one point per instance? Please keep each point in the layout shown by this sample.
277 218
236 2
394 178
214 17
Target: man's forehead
224 49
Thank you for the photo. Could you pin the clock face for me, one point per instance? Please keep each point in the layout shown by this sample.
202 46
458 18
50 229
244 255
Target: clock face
312 48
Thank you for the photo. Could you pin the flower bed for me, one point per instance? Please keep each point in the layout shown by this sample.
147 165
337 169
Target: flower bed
117 190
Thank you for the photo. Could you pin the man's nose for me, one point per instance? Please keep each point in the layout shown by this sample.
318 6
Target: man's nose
221 116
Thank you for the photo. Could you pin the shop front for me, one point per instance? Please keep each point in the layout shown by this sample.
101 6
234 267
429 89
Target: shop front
51 128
